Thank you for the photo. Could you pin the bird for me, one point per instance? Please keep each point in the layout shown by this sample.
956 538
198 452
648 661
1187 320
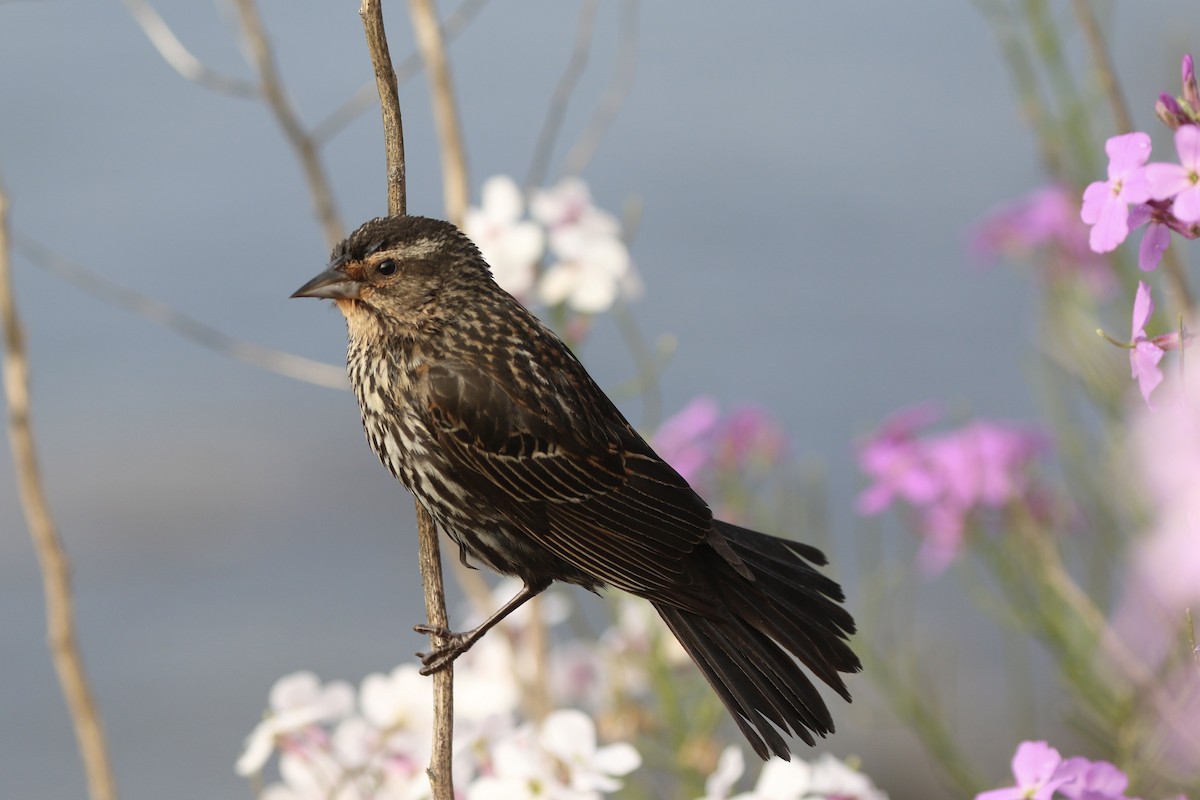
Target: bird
524 462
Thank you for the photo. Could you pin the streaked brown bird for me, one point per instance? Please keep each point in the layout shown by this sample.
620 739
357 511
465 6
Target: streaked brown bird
502 435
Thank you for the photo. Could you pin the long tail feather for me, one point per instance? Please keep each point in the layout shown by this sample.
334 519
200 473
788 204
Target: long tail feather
785 607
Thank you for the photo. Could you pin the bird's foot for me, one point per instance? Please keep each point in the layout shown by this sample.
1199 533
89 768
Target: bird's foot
453 645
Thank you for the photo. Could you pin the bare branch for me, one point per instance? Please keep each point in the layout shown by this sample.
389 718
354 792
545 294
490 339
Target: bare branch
389 99
584 149
455 184
440 770
367 95
562 95
56 570
113 293
179 57
271 88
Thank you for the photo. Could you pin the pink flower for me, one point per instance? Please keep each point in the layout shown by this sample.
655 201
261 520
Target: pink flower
1036 766
683 440
1145 353
1180 181
946 476
1106 203
1092 780
896 461
1042 226
1155 240
701 444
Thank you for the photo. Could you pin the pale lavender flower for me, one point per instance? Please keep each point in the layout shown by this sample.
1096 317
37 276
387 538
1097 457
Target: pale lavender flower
1179 181
1106 203
684 440
1092 780
1164 563
1144 354
1036 769
1155 240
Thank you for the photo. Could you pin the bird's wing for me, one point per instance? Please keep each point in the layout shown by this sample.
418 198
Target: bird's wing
588 489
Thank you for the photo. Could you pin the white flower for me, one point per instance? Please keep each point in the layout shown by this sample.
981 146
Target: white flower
297 701
593 265
824 778
833 778
400 700
730 767
570 737
511 247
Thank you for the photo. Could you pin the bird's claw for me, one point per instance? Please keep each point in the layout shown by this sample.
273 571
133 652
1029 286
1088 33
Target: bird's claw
453 645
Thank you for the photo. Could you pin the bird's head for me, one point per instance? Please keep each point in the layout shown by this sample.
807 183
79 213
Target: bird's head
399 272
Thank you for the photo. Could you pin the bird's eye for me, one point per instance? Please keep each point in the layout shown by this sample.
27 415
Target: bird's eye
386 267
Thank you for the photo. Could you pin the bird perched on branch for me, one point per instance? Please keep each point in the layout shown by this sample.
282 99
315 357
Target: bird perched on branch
505 439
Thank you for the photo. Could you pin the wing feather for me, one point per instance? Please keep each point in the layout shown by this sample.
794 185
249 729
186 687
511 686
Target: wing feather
605 502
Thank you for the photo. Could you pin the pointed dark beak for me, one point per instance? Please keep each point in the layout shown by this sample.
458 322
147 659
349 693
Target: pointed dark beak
332 284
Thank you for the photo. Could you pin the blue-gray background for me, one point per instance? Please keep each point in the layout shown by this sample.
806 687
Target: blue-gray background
807 170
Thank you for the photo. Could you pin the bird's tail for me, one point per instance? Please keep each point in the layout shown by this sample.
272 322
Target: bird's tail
788 607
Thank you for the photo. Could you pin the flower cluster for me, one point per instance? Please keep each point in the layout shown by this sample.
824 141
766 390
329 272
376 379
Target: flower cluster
706 447
1162 196
589 265
946 476
826 778
331 746
1043 225
1041 774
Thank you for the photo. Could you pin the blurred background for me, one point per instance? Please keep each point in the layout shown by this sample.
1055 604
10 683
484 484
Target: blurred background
806 177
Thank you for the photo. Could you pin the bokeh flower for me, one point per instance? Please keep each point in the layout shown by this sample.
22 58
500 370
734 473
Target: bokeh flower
946 477
592 265
297 703
1044 227
511 246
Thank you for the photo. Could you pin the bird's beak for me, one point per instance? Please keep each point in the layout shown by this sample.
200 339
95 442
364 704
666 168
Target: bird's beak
332 284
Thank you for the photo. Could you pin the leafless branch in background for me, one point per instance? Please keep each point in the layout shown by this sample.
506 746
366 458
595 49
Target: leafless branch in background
180 58
455 183
61 633
440 770
367 95
580 154
544 149
271 87
113 293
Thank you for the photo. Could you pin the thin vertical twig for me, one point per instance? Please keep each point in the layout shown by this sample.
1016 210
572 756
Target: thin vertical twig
585 147
455 183
366 96
562 94
271 88
61 633
389 106
440 770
